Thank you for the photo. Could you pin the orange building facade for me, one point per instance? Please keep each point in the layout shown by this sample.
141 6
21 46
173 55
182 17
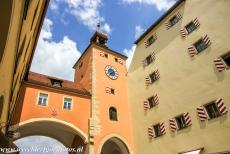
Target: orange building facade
92 111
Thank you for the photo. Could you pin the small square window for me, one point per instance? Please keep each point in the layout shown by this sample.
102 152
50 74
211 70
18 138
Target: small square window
43 99
181 122
190 27
200 45
116 60
149 59
56 83
212 110
106 55
80 65
67 103
157 130
226 59
173 20
112 91
151 102
151 40
153 77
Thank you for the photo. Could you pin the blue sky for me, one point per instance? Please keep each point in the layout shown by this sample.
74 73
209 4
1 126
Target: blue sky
69 25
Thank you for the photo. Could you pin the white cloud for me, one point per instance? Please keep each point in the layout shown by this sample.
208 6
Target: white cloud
85 11
54 6
138 31
55 58
159 4
129 53
39 142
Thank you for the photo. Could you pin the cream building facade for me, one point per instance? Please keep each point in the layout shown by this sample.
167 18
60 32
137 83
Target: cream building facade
21 21
178 81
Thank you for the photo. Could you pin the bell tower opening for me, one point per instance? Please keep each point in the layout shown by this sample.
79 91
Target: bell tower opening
99 38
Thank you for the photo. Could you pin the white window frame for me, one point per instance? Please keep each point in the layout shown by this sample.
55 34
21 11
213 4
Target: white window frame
67 97
47 103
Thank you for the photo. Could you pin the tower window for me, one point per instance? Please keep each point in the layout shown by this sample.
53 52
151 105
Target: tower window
226 59
200 45
56 83
43 99
157 130
190 27
151 40
174 20
112 91
81 64
113 114
116 60
106 55
212 110
181 122
81 76
67 103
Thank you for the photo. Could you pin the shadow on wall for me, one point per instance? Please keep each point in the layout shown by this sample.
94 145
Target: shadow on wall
1 104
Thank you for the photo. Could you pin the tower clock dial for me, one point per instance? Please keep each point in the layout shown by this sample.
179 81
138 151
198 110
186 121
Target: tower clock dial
111 72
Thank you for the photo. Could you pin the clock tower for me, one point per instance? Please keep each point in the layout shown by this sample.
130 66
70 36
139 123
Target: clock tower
102 72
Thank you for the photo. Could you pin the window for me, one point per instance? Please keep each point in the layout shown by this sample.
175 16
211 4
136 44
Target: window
151 102
106 55
157 130
112 91
116 60
56 83
190 27
80 65
153 77
149 59
174 20
43 99
226 59
81 76
212 110
67 103
150 40
200 45
112 114
181 122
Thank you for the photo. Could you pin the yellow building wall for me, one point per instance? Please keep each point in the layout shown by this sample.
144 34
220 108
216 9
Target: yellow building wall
185 83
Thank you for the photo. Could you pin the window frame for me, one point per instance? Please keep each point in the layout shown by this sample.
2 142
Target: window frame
112 91
177 123
150 59
106 55
159 133
71 107
115 109
200 40
223 59
155 76
191 22
116 59
207 113
151 40
47 101
172 18
153 102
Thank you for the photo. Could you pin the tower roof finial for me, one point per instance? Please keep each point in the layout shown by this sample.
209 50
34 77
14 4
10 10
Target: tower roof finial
98 26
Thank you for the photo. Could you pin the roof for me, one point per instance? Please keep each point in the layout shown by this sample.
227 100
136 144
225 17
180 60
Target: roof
68 86
159 20
106 48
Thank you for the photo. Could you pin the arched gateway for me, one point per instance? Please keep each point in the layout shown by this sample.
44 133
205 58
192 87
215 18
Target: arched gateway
76 112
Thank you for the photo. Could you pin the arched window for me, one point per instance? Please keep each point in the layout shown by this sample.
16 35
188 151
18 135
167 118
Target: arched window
113 113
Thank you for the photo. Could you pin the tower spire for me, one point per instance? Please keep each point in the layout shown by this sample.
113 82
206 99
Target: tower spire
98 26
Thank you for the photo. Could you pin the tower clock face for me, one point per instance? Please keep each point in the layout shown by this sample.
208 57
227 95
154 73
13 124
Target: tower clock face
111 72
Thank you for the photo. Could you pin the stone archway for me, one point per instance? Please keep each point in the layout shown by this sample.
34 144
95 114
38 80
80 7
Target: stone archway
114 145
66 133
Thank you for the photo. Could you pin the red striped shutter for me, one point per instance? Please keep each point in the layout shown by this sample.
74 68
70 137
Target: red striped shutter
192 51
206 40
179 16
102 54
187 119
157 74
146 105
196 22
172 124
219 63
221 106
167 25
162 128
120 60
183 32
107 89
156 100
201 113
153 55
150 132
155 36
147 81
